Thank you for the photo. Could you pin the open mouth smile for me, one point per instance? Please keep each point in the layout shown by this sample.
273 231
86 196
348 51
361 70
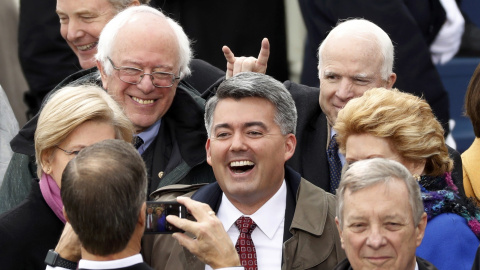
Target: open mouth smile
87 47
241 166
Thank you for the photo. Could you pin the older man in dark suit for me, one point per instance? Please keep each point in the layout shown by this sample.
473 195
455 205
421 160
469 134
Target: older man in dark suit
356 55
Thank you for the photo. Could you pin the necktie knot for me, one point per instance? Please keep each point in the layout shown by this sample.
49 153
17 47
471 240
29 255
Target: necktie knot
245 224
333 145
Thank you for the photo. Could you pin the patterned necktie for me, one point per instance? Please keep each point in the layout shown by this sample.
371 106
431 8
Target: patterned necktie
335 164
244 245
137 142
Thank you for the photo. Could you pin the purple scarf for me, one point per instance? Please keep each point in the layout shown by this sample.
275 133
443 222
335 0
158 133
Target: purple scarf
51 194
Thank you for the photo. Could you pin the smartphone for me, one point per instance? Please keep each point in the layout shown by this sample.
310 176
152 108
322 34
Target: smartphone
156 216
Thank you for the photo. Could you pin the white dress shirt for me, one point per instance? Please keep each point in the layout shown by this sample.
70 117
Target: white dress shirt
268 236
115 264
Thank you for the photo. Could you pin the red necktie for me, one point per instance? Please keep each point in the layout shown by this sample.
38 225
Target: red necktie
244 245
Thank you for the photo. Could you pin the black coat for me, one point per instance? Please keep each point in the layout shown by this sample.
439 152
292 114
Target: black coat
310 157
27 232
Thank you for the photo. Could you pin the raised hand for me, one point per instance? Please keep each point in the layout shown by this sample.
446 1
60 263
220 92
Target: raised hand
242 64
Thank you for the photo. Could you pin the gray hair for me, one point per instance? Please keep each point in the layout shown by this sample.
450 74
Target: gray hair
103 191
250 84
366 173
120 5
364 29
110 31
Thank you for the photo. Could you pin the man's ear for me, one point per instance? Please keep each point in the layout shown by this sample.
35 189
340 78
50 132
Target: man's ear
340 232
207 149
420 230
290 145
103 75
134 3
391 80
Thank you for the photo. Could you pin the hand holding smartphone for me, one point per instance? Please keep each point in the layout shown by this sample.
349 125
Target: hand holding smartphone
157 211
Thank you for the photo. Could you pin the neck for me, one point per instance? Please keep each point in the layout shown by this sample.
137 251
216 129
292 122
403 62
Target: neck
132 248
250 204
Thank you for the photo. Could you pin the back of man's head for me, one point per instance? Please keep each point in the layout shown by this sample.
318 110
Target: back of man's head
362 29
103 191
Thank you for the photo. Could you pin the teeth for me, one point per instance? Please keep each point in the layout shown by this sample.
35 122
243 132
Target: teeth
241 163
143 101
87 47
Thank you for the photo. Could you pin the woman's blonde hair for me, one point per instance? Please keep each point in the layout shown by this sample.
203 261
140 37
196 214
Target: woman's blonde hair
72 106
405 120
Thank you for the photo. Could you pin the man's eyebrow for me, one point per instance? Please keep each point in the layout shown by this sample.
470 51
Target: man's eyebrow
329 73
222 125
256 123
361 76
246 125
356 217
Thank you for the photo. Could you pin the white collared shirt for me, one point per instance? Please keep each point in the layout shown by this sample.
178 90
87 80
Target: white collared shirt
115 264
268 236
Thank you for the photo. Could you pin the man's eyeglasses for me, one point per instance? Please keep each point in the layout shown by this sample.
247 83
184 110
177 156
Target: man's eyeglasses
133 75
68 152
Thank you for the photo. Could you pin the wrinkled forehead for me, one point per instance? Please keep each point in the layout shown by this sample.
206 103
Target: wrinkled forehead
387 198
356 49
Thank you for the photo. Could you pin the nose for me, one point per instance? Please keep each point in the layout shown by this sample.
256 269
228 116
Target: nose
74 30
376 239
238 142
146 84
345 91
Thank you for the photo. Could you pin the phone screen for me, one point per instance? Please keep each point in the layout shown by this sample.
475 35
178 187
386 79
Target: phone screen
156 216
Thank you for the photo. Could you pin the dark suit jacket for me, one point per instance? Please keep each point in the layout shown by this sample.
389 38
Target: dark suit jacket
310 157
412 25
139 266
45 57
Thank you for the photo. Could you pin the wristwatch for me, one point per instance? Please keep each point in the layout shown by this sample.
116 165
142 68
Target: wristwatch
53 259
